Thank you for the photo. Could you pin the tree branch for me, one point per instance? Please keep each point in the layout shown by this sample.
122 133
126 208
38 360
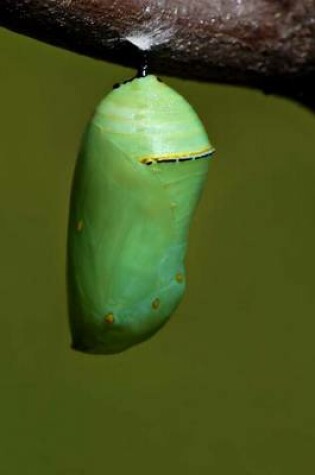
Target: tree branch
266 44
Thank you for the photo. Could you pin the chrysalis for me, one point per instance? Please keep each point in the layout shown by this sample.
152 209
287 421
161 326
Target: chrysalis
139 176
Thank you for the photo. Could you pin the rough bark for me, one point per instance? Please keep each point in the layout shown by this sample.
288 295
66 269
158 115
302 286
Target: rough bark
266 44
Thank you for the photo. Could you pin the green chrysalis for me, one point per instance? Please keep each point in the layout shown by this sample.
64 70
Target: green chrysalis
139 175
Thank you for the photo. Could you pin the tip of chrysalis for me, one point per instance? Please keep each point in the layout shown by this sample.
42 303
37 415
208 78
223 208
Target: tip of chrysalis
142 72
143 66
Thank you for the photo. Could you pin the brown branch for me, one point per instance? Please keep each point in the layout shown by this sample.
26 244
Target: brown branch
267 44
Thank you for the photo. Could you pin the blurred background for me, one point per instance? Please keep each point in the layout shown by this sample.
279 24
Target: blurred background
227 387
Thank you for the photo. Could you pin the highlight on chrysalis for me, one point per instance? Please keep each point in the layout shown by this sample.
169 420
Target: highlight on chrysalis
143 161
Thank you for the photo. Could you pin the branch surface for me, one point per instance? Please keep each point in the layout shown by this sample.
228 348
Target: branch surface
266 44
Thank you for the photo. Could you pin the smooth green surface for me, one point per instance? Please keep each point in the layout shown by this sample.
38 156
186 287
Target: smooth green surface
227 387
129 221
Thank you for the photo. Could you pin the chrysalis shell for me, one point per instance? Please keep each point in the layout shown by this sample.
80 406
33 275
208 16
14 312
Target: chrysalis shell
139 176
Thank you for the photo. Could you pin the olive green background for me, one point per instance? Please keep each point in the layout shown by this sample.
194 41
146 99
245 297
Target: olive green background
228 386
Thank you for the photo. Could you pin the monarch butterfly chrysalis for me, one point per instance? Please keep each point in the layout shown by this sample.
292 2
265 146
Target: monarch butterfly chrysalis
143 161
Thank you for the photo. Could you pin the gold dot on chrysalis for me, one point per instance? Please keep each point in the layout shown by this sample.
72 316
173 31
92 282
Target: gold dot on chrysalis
109 318
79 226
179 278
156 304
